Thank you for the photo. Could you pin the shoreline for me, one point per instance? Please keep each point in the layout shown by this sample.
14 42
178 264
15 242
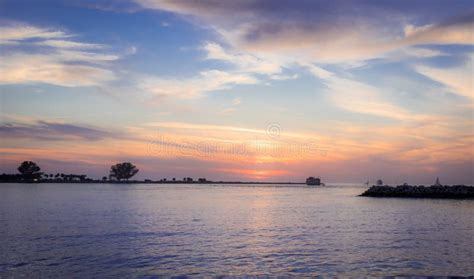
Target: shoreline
421 191
154 182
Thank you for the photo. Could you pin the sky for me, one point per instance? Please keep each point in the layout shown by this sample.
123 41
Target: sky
251 90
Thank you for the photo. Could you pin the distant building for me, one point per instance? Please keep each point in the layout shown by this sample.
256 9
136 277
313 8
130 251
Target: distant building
313 181
75 177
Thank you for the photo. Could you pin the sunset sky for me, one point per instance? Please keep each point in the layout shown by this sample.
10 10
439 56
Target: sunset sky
240 90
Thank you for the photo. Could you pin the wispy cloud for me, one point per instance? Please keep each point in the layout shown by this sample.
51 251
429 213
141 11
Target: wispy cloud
362 98
456 30
190 126
243 62
236 102
359 97
244 69
69 44
194 87
54 58
28 68
17 33
54 131
458 80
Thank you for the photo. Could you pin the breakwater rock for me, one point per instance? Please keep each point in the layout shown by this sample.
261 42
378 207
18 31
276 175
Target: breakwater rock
407 191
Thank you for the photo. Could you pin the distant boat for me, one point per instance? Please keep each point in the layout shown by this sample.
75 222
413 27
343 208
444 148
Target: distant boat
314 181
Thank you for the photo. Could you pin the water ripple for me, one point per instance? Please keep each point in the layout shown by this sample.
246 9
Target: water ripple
258 231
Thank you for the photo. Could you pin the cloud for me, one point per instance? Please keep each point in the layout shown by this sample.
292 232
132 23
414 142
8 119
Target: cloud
236 101
230 110
32 68
69 44
195 87
85 57
284 76
457 30
174 147
243 62
15 34
45 130
131 50
345 43
244 69
267 37
458 80
321 32
117 6
414 52
317 71
356 96
189 126
45 55
362 98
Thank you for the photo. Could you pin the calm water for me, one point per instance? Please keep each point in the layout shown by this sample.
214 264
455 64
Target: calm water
139 230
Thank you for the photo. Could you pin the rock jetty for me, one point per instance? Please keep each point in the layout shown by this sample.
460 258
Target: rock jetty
435 191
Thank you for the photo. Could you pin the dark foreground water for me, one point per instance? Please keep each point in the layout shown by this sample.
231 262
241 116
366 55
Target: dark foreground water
61 230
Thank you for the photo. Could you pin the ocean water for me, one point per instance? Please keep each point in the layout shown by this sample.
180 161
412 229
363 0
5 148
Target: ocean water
95 230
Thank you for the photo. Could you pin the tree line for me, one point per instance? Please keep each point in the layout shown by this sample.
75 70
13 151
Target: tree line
29 171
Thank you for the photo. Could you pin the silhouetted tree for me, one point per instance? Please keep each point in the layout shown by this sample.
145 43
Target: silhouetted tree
104 178
123 171
30 170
